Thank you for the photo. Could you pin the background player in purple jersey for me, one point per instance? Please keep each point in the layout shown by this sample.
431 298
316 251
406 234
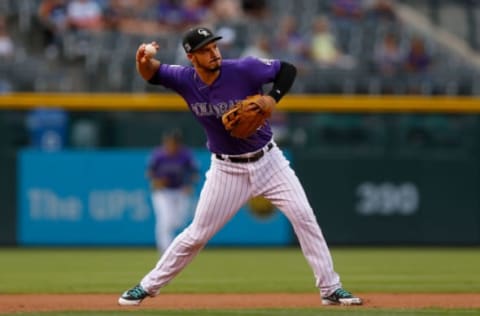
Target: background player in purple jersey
172 170
240 168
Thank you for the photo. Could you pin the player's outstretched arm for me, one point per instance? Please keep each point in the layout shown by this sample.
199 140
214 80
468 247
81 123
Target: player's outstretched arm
146 64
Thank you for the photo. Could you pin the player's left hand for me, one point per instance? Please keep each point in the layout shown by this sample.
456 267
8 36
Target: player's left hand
245 117
158 184
263 105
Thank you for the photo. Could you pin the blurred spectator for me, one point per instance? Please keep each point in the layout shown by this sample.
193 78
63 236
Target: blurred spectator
259 47
381 10
85 15
388 63
227 17
324 50
226 10
229 44
323 47
388 57
131 17
120 12
6 56
255 8
52 15
289 42
418 64
85 21
181 14
6 42
348 9
418 60
193 12
345 16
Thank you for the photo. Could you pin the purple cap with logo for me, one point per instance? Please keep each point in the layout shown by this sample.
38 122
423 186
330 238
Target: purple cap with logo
198 37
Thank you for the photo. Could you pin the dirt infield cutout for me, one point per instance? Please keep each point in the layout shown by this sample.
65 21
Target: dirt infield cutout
98 302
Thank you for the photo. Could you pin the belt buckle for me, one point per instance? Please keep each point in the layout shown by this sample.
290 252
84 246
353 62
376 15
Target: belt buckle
222 157
266 148
255 157
259 154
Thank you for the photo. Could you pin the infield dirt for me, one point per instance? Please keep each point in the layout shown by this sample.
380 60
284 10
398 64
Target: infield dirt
83 302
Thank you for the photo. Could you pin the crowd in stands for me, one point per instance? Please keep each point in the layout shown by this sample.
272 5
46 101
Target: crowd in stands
6 54
358 46
338 46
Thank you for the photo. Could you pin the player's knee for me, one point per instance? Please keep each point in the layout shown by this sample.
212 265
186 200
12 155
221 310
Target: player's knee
303 215
195 240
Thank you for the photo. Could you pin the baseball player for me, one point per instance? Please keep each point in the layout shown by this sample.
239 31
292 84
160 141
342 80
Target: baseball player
240 168
171 170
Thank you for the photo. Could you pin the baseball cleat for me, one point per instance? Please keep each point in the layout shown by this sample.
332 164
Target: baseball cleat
133 296
341 297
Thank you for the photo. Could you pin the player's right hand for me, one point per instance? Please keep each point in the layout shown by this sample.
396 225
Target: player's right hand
146 64
141 56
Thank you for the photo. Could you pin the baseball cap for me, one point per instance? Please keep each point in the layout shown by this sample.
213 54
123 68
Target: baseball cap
198 37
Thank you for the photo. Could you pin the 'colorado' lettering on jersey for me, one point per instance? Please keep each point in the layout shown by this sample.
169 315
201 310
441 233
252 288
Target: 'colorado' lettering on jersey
205 109
238 79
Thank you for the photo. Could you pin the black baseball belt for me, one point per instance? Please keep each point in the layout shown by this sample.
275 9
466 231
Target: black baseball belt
252 158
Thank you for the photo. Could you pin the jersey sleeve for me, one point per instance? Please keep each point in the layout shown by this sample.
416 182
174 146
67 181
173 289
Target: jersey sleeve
260 71
170 76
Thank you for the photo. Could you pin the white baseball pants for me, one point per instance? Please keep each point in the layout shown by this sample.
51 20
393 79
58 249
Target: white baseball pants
228 186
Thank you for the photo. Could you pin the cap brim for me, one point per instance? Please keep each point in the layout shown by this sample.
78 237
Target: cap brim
205 42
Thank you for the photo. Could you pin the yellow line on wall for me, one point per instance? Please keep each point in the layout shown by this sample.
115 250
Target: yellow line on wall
93 102
295 103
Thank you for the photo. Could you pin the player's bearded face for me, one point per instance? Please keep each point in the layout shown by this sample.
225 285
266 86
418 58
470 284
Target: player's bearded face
208 58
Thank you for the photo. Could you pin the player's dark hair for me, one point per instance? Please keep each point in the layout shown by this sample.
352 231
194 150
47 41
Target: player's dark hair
174 134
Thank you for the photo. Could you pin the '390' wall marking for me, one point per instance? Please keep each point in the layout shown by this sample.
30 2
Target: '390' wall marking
387 198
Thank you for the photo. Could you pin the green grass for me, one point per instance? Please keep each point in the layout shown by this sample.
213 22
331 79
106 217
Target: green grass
35 270
240 270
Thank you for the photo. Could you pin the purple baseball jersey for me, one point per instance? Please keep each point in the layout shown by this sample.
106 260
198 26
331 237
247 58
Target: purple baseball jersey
177 169
238 79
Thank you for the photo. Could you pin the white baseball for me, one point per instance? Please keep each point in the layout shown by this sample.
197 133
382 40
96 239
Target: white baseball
150 50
